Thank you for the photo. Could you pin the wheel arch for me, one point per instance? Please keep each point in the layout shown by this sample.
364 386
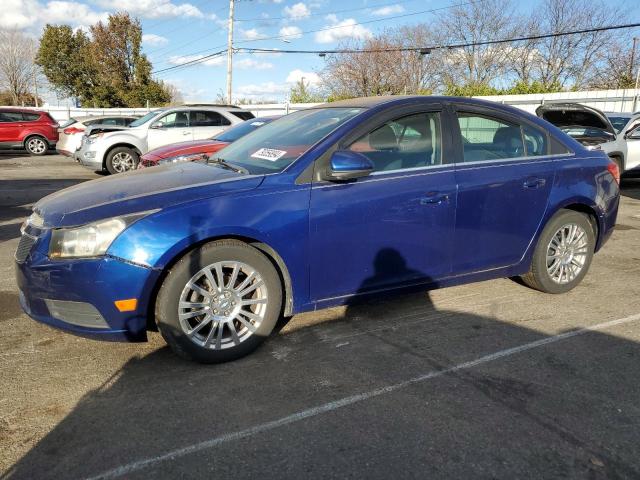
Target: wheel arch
588 210
35 134
272 255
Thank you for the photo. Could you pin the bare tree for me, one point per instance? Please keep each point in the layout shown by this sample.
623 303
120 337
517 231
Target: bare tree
472 23
18 72
567 60
381 70
176 94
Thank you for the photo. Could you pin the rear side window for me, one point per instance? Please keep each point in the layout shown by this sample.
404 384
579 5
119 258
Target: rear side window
7 117
486 138
243 115
30 117
208 119
408 142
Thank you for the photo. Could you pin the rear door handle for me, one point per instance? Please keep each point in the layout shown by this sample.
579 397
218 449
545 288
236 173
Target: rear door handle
534 182
434 198
186 133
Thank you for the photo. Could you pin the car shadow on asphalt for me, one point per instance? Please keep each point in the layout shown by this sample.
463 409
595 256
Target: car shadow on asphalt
568 408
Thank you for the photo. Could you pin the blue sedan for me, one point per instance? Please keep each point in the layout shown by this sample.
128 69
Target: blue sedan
321 207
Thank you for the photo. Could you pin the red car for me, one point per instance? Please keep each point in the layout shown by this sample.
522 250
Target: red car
32 130
200 149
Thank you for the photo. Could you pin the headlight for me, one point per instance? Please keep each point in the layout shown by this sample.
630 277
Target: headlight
193 157
89 240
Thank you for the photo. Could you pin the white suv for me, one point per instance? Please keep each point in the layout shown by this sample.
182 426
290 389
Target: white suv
119 150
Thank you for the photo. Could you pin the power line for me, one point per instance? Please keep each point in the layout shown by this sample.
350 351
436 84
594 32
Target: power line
277 37
368 7
424 49
195 61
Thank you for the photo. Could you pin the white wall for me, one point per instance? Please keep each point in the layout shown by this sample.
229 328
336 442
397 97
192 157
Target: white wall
605 100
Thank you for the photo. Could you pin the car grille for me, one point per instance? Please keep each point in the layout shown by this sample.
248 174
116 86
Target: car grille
24 247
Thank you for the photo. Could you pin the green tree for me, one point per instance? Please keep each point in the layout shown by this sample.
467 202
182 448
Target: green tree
106 69
301 93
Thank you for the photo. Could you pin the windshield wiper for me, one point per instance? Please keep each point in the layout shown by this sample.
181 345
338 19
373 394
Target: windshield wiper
224 164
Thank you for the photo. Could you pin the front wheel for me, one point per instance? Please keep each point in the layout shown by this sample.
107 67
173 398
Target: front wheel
563 254
36 145
122 159
219 302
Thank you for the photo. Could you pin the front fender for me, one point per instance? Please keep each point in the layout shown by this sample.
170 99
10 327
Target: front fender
277 221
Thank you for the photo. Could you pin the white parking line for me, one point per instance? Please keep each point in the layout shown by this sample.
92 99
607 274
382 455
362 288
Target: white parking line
330 406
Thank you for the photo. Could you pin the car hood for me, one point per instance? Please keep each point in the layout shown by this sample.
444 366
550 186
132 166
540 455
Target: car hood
574 115
185 148
139 191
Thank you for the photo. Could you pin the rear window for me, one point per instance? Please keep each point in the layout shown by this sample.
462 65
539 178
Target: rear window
68 123
243 115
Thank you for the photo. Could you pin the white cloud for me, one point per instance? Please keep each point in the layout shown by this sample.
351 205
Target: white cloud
389 10
291 31
266 89
249 63
18 13
153 8
252 34
154 40
310 78
31 14
297 11
211 62
341 30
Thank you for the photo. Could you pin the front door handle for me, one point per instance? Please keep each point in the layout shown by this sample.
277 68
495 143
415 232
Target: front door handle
434 198
534 182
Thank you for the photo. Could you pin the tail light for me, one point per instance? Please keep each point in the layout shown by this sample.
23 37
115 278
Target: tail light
72 130
614 170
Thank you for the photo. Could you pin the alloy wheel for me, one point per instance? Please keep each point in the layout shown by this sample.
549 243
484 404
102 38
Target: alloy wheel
567 253
36 145
223 305
123 162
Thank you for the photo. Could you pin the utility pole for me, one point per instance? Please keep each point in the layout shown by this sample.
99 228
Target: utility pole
230 52
633 57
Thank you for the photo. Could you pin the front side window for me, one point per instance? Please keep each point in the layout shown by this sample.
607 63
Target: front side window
208 119
273 147
485 138
174 120
7 117
408 142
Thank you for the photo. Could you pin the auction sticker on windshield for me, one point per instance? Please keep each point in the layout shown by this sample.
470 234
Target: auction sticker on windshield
269 154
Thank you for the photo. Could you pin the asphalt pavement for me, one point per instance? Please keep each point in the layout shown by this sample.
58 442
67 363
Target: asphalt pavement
488 380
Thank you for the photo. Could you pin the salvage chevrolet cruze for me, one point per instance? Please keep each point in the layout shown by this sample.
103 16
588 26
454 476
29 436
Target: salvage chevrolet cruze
319 208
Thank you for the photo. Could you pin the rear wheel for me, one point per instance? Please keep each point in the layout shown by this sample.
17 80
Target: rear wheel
122 159
563 253
219 302
36 145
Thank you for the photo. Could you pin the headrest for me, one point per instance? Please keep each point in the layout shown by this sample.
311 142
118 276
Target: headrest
384 138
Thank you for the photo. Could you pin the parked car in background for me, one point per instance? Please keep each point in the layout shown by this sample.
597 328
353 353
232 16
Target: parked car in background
627 126
595 129
318 208
32 130
71 131
120 151
200 149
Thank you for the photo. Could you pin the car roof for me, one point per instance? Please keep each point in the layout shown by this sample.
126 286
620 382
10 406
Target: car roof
20 110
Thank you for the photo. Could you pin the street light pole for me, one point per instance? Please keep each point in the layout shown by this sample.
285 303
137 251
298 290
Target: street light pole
230 52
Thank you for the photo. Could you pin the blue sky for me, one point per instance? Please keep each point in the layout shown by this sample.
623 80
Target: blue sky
176 31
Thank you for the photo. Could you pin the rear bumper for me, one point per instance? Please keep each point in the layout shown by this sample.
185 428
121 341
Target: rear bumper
78 295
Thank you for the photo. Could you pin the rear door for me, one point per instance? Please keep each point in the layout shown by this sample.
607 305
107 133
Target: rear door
206 124
504 175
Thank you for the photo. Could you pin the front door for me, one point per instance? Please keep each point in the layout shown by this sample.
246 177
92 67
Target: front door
171 128
504 178
392 228
632 159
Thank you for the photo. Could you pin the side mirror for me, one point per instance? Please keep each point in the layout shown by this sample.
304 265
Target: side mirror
156 125
633 134
347 165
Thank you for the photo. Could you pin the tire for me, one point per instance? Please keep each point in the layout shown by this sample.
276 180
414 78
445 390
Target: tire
36 145
574 257
122 159
196 319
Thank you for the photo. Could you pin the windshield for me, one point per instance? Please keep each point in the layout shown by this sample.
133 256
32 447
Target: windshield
234 133
275 146
145 119
618 123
